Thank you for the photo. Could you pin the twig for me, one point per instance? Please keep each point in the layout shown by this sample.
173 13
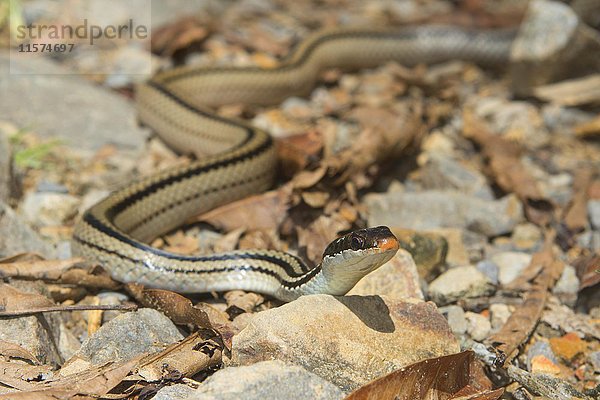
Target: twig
38 310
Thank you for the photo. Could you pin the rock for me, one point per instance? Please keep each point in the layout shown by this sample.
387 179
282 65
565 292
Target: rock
129 335
457 253
593 207
51 187
444 209
456 319
346 340
45 335
518 121
17 237
49 209
540 348
527 236
561 120
510 264
552 45
567 286
594 358
443 173
458 283
263 380
478 326
86 116
428 249
398 278
489 269
499 315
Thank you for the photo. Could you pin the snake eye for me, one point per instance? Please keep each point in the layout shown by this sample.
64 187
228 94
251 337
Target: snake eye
356 242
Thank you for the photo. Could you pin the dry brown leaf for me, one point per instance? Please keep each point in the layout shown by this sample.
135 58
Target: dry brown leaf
263 211
296 152
588 270
91 383
181 244
576 217
12 299
590 129
20 376
73 271
319 233
175 306
179 35
507 170
572 92
449 377
246 301
544 270
197 352
12 350
315 199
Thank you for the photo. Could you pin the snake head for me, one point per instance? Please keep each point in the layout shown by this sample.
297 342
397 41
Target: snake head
366 241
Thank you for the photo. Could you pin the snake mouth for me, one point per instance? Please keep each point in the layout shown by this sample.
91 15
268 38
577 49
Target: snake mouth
389 243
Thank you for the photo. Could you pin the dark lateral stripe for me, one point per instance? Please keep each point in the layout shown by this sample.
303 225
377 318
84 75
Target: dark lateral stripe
96 224
207 114
187 199
146 264
152 188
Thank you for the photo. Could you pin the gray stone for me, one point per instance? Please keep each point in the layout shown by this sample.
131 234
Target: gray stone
264 380
45 335
456 319
478 326
443 173
594 358
398 278
540 348
552 44
16 236
129 335
593 207
49 209
444 209
51 187
458 283
527 237
560 120
499 315
510 265
85 116
489 269
347 340
567 286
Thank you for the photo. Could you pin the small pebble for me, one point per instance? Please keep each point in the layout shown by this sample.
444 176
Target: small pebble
526 236
567 286
489 269
540 348
478 326
458 283
510 265
456 318
593 207
499 315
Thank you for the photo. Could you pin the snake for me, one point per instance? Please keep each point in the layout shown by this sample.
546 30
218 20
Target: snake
234 159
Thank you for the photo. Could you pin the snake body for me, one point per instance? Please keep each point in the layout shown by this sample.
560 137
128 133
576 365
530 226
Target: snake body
236 160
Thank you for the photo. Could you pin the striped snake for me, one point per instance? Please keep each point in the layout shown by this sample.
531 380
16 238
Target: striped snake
235 160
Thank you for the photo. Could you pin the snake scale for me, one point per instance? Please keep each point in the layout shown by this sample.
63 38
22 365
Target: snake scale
235 160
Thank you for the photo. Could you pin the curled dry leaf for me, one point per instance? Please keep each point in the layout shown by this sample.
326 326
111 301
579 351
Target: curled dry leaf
575 217
12 299
178 35
544 270
74 271
94 382
588 270
20 376
10 350
263 211
457 376
507 170
197 352
319 234
298 151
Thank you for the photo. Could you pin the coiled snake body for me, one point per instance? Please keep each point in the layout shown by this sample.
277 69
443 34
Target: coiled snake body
236 160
